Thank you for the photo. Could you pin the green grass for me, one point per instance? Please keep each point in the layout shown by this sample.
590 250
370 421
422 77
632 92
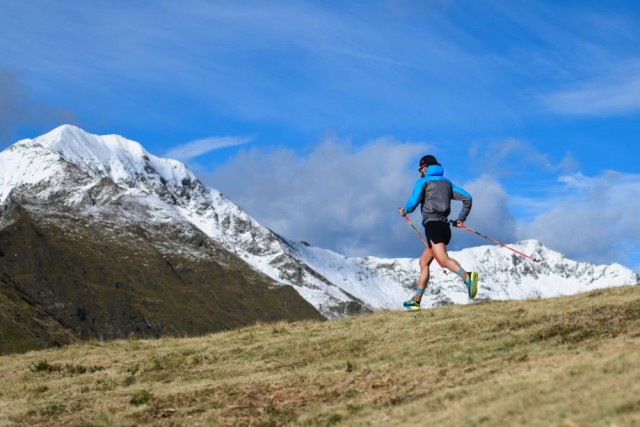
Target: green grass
570 361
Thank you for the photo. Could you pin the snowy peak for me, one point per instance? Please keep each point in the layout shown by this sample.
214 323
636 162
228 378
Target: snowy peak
71 165
112 156
385 283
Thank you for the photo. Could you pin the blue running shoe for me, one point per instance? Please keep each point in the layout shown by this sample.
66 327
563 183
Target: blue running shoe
411 305
471 281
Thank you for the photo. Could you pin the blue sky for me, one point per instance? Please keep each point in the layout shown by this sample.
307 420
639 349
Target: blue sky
312 115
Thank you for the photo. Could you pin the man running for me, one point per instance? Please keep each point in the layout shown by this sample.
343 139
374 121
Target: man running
434 192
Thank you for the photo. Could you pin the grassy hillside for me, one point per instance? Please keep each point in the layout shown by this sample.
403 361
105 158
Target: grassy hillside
65 277
565 362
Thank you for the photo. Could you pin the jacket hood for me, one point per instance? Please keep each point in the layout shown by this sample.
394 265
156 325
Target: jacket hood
435 170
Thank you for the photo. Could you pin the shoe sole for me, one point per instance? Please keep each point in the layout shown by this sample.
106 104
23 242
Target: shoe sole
474 285
412 308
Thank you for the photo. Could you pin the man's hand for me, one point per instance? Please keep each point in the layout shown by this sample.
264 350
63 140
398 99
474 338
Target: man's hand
457 223
402 212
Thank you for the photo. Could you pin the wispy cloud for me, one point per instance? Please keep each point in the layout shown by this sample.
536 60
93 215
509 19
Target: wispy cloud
609 96
289 62
512 156
199 147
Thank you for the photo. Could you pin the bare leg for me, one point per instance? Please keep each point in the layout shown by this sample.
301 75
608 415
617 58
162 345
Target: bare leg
425 262
440 251
423 280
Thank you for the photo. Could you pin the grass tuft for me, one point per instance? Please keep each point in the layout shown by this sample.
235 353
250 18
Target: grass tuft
140 397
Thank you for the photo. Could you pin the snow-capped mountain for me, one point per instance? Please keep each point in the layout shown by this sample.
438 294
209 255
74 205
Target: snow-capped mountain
383 283
110 174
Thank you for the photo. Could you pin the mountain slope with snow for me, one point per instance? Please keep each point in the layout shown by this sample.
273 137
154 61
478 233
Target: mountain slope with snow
97 175
385 283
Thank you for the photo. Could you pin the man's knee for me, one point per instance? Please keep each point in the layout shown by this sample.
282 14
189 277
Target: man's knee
444 258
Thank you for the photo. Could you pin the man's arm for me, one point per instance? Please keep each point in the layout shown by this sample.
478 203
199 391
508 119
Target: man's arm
416 196
467 201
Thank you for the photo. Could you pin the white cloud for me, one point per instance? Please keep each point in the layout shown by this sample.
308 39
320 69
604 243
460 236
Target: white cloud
345 198
490 214
592 218
336 196
199 147
588 218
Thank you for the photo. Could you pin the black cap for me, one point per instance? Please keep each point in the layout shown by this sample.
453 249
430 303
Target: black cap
427 161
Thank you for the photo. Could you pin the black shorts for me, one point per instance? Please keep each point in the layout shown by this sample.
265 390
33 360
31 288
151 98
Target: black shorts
438 232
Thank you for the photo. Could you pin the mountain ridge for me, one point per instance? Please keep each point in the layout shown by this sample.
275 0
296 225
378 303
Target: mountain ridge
106 171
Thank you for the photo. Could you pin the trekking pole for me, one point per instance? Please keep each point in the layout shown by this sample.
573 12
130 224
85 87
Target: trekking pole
493 240
425 243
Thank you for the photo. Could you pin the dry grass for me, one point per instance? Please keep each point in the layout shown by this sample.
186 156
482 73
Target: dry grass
567 361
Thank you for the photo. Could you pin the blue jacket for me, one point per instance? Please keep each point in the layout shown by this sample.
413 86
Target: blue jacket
435 192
